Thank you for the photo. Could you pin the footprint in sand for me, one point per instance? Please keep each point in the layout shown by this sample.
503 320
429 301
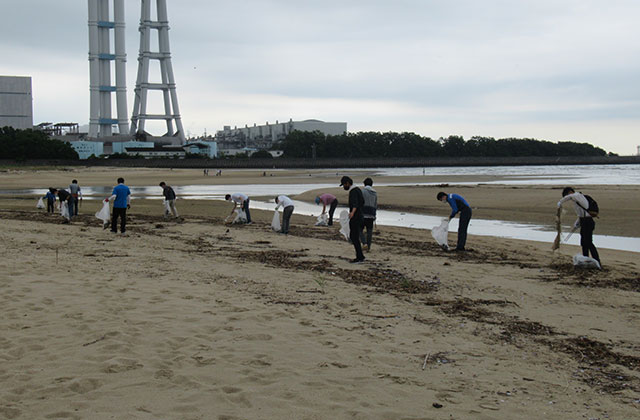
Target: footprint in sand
82 386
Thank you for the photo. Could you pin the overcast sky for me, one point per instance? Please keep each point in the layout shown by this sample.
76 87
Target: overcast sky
547 69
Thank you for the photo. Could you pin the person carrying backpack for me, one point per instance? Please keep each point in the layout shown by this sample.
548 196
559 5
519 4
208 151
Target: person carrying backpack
586 208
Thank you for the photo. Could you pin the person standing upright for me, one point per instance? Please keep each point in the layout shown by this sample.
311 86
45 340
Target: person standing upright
170 197
369 212
121 196
585 221
356 220
328 200
458 204
51 199
287 205
76 194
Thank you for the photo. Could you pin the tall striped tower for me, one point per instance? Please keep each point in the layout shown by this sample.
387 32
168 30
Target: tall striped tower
101 60
167 84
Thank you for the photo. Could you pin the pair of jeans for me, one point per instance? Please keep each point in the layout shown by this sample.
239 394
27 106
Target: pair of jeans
355 228
50 208
286 217
368 224
587 225
465 218
332 209
72 204
245 204
122 214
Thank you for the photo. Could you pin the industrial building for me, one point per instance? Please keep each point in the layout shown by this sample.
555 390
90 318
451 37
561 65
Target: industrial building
263 137
16 102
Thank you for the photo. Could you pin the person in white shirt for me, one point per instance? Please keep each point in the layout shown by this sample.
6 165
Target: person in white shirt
287 204
585 221
242 200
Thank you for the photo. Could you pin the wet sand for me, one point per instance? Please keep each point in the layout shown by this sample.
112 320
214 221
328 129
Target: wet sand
200 319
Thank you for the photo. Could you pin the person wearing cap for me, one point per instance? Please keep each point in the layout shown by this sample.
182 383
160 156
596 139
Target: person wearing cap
356 221
458 204
243 201
287 204
368 212
328 200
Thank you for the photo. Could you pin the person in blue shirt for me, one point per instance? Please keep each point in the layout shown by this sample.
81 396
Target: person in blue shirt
51 199
458 204
121 196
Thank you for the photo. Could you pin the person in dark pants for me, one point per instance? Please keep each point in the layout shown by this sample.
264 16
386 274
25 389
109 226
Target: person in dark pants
356 219
121 196
76 194
369 212
51 199
585 221
287 204
458 204
328 200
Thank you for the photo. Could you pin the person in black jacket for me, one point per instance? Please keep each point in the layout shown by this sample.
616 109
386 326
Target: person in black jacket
170 198
356 217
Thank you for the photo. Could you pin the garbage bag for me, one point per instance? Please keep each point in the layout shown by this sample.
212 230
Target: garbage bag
241 216
103 213
64 210
275 223
344 224
323 220
441 233
580 260
40 204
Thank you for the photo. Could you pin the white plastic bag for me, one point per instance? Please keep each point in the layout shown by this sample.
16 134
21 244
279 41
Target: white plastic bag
344 224
441 233
275 223
103 213
64 210
241 216
40 204
581 261
323 220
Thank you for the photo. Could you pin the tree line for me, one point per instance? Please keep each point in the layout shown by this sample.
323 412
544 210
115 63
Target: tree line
32 144
299 144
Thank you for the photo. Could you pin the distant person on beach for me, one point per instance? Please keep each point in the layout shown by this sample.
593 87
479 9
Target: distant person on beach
458 204
121 197
356 220
241 200
65 197
170 198
76 194
328 200
286 203
51 199
369 212
585 221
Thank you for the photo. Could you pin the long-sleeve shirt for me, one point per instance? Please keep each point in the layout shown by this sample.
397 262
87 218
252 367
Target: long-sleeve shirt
284 202
75 191
168 193
370 202
356 201
327 198
578 201
50 196
63 195
457 203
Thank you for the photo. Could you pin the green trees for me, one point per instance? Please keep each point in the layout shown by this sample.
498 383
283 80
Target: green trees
32 144
300 144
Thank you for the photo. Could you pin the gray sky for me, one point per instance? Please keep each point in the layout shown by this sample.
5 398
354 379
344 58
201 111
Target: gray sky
547 69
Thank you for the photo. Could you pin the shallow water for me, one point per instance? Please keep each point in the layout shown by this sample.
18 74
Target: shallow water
525 175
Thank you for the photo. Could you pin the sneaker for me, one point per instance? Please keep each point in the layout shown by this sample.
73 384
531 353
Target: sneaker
357 261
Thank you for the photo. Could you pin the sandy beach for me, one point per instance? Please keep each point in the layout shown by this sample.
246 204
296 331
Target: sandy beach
202 320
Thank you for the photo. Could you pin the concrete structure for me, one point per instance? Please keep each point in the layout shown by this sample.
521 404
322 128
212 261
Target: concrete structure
206 148
101 58
87 148
262 137
122 147
167 85
16 102
158 152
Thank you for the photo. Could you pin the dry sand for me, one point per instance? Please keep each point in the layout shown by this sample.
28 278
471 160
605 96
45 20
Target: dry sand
199 320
